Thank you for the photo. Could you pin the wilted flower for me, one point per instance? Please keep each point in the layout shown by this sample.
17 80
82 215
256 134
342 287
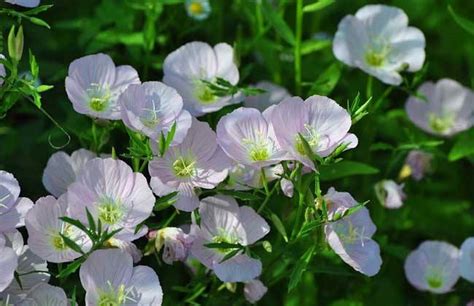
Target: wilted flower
379 41
390 194
246 136
195 163
351 236
113 194
198 9
12 207
31 269
433 266
287 187
466 267
45 230
3 73
8 264
45 294
417 164
187 67
319 120
128 247
274 94
109 278
254 291
448 109
62 170
152 108
94 85
176 243
223 221
25 3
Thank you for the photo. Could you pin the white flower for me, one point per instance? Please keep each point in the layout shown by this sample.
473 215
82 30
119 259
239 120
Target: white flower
187 67
379 41
447 110
433 266
198 9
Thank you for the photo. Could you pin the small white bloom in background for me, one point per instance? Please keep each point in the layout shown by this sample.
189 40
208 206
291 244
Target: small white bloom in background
113 194
247 137
25 3
320 121
198 9
62 170
13 208
433 266
94 85
351 236
467 259
417 164
152 108
8 264
254 291
471 303
45 229
390 194
379 41
274 94
109 278
31 269
446 108
197 162
3 73
223 221
175 242
45 294
187 67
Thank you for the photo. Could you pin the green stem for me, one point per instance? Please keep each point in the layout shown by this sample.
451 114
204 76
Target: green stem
299 214
267 197
297 47
259 17
368 91
264 181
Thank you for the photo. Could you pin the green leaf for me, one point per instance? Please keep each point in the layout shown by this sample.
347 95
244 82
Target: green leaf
90 220
229 255
71 268
319 5
223 245
278 23
464 23
279 226
71 244
300 268
80 226
165 201
39 22
314 45
327 80
464 146
345 168
38 9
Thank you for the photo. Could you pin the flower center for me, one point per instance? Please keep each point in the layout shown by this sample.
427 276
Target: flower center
374 59
196 8
98 97
311 137
204 94
57 241
348 233
184 167
110 212
439 123
151 114
434 280
224 238
257 148
112 297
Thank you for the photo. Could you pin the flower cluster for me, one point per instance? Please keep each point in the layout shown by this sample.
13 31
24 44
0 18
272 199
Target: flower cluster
221 175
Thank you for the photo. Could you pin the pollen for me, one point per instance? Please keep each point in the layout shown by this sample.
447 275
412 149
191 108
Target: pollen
110 212
183 167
